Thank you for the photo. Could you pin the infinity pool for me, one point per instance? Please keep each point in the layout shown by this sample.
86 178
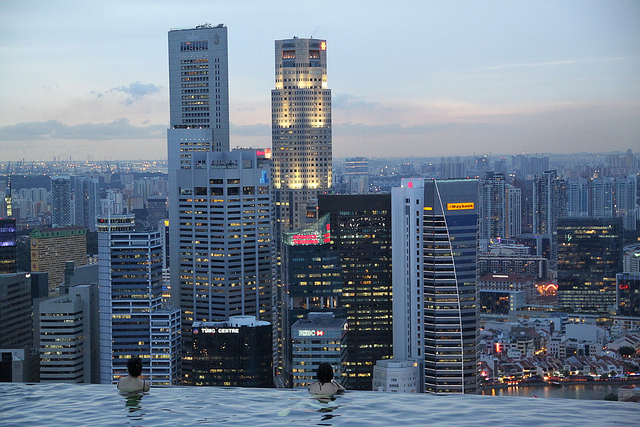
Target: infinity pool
88 405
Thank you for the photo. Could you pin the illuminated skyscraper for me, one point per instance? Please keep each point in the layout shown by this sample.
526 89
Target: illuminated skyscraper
434 240
301 146
301 128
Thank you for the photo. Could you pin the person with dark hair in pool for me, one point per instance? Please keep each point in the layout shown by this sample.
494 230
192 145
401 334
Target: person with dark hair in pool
325 384
133 382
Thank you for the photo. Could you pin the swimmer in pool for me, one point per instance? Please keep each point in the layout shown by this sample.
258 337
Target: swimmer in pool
325 384
133 382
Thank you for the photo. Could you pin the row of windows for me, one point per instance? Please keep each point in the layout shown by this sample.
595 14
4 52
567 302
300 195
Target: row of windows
194 45
195 61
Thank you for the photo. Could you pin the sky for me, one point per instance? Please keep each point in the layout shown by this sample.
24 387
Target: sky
88 80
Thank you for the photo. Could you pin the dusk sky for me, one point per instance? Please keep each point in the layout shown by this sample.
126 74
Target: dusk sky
409 78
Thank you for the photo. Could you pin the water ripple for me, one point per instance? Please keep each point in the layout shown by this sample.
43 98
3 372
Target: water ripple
71 405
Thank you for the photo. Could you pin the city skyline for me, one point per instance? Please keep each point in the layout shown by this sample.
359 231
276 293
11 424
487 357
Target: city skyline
445 79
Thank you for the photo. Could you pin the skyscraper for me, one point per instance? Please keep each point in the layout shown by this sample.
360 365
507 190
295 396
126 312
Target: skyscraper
549 204
301 128
434 281
589 256
132 320
199 87
301 147
219 200
61 208
360 232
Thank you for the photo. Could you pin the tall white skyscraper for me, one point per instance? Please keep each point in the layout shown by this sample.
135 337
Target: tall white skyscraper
434 239
219 200
199 86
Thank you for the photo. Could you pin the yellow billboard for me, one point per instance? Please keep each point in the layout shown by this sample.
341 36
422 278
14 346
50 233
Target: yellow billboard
460 206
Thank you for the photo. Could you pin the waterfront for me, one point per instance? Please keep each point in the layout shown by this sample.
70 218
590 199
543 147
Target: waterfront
582 391
71 405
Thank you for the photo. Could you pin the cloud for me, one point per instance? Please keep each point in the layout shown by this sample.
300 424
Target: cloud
53 129
345 100
135 90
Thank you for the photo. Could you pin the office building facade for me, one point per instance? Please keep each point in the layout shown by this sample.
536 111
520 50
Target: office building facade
133 322
360 232
51 248
233 353
301 150
199 87
589 256
318 338
68 331
434 281
628 294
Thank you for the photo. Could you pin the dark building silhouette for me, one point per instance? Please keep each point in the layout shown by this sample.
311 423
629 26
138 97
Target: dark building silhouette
234 353
589 256
360 231
8 246
628 294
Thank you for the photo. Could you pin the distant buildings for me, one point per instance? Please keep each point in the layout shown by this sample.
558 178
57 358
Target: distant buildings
61 201
631 259
434 281
8 246
396 376
589 256
499 208
628 294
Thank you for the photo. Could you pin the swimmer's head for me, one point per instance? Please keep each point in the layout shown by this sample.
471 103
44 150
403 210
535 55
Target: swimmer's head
325 373
134 366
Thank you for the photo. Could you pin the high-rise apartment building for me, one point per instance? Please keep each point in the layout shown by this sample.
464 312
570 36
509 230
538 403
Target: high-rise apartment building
132 320
549 204
86 201
434 281
61 201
